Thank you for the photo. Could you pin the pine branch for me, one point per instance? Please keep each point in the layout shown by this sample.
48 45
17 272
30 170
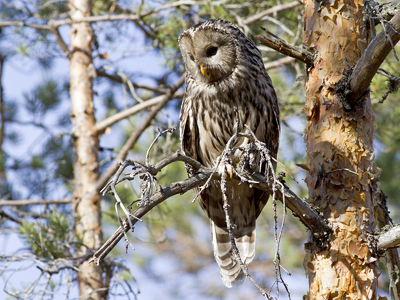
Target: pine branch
353 87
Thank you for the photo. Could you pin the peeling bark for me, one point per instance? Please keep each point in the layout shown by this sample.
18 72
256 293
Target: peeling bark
86 144
339 144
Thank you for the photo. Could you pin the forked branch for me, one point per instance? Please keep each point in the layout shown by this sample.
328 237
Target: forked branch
353 87
309 217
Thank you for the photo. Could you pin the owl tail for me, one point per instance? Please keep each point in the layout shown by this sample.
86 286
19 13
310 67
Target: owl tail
231 272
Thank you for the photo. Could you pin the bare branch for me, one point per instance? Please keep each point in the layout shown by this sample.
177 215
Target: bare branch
9 217
279 63
60 41
137 133
115 78
285 48
180 187
24 24
301 209
270 11
352 88
389 239
33 202
101 126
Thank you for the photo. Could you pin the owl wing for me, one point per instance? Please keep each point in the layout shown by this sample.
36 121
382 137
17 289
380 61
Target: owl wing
188 133
271 135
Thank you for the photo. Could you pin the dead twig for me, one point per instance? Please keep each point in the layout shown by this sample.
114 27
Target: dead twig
285 48
393 83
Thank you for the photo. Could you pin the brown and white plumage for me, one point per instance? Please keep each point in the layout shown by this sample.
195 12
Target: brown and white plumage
224 69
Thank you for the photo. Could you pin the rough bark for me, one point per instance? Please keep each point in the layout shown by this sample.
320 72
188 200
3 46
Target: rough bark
339 143
86 144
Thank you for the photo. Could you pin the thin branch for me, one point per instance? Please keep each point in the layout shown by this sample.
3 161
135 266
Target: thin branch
115 78
393 83
33 202
280 24
285 48
102 126
60 40
103 18
270 11
24 24
180 187
279 63
301 209
9 217
353 86
137 133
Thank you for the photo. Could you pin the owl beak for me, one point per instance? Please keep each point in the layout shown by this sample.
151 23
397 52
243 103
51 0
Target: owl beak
206 72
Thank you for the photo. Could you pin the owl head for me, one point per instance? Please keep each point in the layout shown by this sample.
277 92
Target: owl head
212 50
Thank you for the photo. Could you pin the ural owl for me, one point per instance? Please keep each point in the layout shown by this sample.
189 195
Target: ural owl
224 69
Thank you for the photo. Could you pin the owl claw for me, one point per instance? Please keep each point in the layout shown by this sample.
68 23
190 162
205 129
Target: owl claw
229 171
227 167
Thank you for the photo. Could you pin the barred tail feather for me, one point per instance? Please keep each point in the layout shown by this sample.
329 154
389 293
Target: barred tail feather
231 272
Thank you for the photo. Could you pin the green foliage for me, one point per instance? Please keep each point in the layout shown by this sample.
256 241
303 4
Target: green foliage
53 10
22 49
387 135
36 162
51 237
43 98
10 110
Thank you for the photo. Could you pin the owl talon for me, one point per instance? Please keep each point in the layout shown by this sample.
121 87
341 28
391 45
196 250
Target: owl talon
229 171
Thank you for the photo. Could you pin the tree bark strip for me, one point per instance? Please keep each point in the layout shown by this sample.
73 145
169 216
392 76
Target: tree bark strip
86 145
339 141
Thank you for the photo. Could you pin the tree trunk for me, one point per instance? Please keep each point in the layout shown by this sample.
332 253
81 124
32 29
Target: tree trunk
86 146
339 144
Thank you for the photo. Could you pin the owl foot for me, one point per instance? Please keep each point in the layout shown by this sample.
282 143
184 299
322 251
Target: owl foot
228 169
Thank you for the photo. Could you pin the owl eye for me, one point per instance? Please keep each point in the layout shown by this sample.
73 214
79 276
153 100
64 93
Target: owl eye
191 57
211 51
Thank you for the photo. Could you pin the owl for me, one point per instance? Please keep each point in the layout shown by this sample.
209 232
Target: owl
224 70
